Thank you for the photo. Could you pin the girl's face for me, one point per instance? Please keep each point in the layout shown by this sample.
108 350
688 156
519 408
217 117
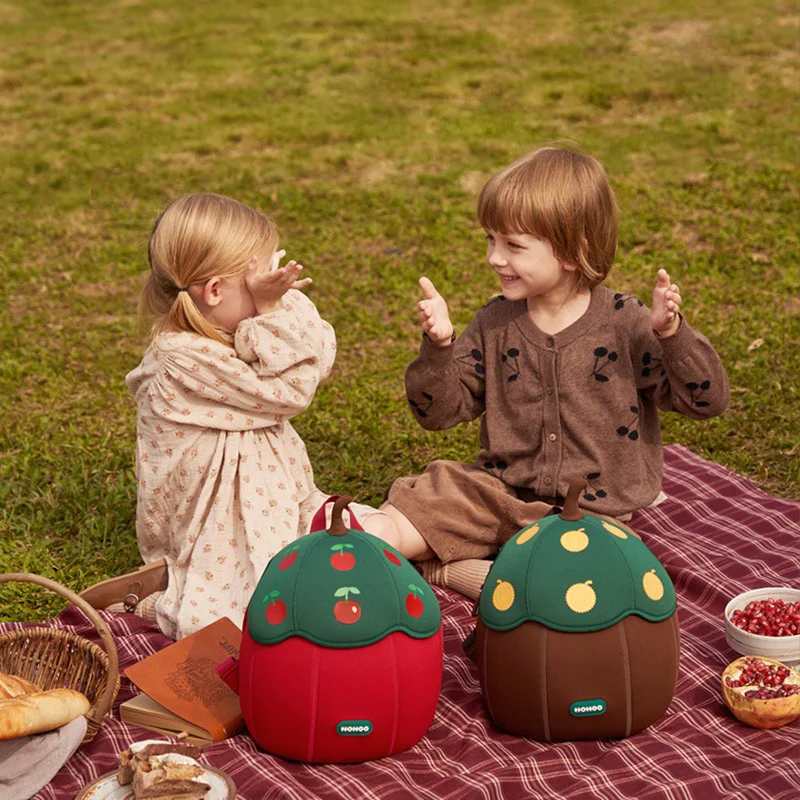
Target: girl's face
226 301
235 304
526 266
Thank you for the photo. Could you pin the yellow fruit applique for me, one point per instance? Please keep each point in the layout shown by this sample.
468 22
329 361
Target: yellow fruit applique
528 534
503 596
581 597
652 585
575 541
615 530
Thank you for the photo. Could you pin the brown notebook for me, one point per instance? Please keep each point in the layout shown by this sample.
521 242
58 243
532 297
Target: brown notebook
183 679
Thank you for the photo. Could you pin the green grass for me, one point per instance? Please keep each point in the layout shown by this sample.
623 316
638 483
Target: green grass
366 131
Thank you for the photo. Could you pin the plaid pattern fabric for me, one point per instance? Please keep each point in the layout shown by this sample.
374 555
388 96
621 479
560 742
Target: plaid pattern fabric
717 535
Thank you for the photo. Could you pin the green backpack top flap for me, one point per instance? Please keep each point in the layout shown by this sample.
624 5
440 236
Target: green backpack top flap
575 572
341 588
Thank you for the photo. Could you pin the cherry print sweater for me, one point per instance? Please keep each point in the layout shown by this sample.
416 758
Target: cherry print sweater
224 481
581 403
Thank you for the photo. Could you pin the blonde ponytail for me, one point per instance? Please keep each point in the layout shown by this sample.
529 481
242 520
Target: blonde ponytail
185 316
198 237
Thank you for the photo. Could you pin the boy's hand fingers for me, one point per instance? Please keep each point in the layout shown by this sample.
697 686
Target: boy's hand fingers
663 279
428 289
303 283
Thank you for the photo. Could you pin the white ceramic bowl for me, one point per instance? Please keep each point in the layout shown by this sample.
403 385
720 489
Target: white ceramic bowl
780 648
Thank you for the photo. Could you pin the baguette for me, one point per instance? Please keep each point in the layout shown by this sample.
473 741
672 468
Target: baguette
36 713
12 686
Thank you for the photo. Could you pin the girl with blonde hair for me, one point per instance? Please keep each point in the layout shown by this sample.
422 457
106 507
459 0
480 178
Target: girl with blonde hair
224 481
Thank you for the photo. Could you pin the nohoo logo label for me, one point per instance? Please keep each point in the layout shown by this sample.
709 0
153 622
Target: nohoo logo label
354 727
588 708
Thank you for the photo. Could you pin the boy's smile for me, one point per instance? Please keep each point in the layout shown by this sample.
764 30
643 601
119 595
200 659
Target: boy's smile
526 266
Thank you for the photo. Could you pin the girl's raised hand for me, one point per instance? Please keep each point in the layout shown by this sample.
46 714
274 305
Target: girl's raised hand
666 304
433 315
268 282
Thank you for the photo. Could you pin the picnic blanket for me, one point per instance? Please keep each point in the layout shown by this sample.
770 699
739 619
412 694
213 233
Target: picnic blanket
716 535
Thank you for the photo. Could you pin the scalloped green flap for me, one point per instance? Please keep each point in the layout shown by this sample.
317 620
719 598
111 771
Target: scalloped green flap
575 576
341 591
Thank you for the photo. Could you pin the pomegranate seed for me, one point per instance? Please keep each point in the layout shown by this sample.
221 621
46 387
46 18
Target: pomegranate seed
766 680
770 617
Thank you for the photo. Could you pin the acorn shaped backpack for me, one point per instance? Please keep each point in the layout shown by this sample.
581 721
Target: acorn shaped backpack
341 654
577 633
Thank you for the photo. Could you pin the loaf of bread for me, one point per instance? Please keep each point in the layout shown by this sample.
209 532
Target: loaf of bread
43 711
12 686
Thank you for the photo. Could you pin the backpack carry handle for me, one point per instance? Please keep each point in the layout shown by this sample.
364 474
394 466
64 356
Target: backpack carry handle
318 520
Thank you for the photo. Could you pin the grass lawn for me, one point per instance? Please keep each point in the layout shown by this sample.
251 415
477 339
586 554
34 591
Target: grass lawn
366 130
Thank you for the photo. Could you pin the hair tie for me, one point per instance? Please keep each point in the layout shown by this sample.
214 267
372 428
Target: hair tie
183 288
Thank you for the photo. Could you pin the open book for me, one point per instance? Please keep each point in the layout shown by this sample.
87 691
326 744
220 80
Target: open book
182 690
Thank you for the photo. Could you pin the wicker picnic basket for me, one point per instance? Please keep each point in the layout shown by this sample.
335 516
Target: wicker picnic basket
54 659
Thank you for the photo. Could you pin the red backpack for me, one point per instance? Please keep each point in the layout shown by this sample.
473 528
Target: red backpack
341 655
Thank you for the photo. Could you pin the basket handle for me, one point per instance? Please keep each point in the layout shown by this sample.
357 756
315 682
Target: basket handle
107 698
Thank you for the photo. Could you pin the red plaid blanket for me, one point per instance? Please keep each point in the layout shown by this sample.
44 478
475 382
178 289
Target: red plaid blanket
717 535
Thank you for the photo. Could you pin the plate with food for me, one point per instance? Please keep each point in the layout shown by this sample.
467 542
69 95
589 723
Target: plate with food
158 768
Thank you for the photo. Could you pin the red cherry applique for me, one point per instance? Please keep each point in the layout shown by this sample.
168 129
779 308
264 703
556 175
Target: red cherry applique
392 557
346 611
276 610
341 559
414 606
289 559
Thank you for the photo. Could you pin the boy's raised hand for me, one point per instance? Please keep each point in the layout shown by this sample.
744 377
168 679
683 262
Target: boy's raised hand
433 315
666 303
268 282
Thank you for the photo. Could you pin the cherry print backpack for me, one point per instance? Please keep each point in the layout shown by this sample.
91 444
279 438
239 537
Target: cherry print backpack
577 633
341 654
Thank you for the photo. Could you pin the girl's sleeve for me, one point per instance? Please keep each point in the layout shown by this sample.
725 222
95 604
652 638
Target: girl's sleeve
446 385
274 343
683 371
270 375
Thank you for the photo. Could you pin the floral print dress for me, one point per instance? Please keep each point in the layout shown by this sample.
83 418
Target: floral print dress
224 481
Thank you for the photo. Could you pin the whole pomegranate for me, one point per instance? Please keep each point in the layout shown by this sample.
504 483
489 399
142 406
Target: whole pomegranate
761 692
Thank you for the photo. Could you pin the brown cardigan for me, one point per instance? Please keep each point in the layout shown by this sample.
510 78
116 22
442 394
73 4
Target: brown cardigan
581 403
